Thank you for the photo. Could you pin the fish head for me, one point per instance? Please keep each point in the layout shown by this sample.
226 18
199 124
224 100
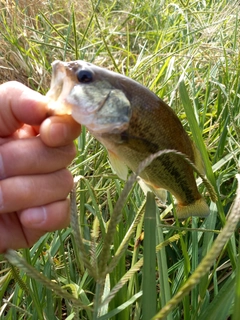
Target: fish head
92 95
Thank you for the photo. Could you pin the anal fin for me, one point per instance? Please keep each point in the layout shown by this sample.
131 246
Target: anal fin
159 192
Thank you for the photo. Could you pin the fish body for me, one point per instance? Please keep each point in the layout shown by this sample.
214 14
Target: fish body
132 123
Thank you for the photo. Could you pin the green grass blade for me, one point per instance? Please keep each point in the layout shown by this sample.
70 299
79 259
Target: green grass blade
149 256
236 309
165 292
196 132
220 307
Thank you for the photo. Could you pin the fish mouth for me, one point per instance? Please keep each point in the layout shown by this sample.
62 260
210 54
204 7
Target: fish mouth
59 90
97 105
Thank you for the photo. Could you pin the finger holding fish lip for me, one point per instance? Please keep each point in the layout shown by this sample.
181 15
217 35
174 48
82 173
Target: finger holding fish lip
18 105
59 131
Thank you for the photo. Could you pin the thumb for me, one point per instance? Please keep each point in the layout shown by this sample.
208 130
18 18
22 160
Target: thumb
19 105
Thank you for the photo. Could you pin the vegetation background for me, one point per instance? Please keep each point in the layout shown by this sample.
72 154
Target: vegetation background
187 52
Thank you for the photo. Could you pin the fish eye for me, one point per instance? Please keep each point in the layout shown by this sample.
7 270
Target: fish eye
84 76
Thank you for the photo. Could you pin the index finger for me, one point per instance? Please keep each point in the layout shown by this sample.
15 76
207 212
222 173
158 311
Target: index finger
19 104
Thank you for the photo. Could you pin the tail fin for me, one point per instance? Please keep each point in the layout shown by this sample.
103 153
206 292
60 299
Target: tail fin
198 209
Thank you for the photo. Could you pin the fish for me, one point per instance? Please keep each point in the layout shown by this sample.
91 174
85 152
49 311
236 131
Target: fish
132 123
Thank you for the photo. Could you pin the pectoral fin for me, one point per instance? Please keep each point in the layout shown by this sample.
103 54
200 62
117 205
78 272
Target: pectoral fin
118 166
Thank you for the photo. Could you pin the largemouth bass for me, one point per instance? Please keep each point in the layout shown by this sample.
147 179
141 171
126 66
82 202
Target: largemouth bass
132 123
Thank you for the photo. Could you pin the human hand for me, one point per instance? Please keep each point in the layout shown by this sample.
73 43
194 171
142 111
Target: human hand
34 181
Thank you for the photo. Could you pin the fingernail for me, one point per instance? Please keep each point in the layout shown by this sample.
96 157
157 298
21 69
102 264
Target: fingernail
58 130
54 132
34 217
57 133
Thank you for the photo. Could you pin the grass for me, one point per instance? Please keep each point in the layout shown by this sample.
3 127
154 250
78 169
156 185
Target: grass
187 52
